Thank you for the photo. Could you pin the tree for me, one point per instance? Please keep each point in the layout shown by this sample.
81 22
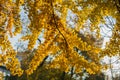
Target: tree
61 40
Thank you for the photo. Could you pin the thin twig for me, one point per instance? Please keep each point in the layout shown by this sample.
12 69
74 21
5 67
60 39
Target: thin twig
111 70
113 61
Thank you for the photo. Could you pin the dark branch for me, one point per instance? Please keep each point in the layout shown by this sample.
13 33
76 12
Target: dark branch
39 40
57 26
43 62
72 72
117 5
63 76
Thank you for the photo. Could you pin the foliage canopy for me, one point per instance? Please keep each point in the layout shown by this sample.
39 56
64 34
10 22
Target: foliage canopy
72 46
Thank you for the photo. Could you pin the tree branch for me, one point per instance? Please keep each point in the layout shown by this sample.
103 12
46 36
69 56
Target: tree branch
63 76
57 26
41 64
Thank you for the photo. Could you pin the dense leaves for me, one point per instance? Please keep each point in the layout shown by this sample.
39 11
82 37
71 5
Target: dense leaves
76 46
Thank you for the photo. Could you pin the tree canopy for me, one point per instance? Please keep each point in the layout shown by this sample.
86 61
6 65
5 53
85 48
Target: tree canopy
70 32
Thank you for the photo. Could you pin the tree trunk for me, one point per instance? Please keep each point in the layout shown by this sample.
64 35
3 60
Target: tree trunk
63 76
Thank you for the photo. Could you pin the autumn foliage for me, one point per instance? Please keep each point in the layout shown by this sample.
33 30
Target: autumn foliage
76 47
